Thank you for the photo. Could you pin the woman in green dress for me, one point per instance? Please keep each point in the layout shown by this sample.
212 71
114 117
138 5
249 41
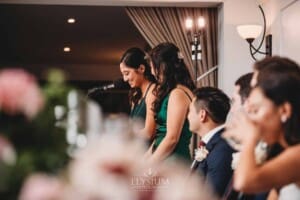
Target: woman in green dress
137 72
173 95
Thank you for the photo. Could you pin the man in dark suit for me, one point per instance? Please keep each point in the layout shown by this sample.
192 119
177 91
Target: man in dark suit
207 114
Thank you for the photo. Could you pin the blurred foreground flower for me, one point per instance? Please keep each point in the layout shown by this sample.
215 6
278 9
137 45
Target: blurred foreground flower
33 145
19 93
7 152
42 187
111 166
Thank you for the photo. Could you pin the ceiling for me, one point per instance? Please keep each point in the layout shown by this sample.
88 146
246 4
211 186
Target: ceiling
34 33
33 36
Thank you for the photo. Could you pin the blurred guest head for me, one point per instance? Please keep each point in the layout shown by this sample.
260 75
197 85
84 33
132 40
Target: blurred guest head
275 63
209 108
274 101
168 66
241 91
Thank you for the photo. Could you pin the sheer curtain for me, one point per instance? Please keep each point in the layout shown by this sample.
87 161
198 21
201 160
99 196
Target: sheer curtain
163 24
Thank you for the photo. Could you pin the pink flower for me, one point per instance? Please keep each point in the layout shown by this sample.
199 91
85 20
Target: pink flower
19 93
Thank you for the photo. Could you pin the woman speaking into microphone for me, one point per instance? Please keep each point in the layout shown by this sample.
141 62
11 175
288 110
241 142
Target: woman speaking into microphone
137 72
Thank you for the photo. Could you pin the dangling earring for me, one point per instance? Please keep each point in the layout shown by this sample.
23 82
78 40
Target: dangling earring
283 118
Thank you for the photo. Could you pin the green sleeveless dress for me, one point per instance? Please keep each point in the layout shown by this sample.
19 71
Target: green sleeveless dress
139 110
182 148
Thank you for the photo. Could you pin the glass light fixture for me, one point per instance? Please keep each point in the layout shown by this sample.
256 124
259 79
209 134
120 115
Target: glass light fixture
249 32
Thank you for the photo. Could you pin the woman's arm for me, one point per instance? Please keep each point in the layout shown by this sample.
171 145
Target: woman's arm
252 178
149 130
280 171
148 153
176 114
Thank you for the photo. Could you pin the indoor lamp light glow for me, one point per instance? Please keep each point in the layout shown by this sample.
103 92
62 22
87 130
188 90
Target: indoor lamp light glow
67 49
201 22
189 24
71 20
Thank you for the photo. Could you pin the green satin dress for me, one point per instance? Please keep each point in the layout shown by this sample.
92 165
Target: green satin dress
139 110
182 148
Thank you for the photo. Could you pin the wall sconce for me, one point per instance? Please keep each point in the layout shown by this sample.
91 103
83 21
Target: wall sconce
194 32
250 32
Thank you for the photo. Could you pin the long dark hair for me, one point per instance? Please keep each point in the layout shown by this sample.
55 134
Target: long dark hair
279 79
170 70
133 58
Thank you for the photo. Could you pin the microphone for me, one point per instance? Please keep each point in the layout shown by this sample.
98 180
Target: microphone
117 84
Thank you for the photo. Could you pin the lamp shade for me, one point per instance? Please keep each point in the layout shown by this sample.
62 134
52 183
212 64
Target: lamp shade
249 31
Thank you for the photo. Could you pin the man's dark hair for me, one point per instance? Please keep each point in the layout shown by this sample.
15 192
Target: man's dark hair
245 87
214 101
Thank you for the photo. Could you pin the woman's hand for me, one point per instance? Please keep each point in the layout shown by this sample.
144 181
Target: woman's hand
240 129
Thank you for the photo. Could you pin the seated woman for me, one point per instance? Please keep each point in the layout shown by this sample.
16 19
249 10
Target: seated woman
173 96
137 72
273 116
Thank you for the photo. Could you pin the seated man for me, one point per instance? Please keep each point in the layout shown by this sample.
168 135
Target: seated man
242 89
207 113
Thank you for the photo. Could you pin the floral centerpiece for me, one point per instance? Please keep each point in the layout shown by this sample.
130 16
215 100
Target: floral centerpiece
29 141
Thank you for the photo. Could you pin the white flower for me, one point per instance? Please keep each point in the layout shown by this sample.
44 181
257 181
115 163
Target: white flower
201 153
235 160
260 152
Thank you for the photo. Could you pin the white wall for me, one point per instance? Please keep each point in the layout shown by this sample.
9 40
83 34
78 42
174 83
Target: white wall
235 59
283 24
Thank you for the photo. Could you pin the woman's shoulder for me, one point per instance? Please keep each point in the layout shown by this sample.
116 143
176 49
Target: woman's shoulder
181 91
152 86
293 151
150 97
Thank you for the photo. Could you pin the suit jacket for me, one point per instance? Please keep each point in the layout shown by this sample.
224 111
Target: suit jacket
217 166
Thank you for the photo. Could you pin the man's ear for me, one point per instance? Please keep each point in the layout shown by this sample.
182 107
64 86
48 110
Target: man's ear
202 115
141 69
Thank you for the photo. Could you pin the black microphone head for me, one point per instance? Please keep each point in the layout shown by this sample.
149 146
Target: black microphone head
121 84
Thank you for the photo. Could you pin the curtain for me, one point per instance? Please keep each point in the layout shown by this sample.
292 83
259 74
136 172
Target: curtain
163 24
